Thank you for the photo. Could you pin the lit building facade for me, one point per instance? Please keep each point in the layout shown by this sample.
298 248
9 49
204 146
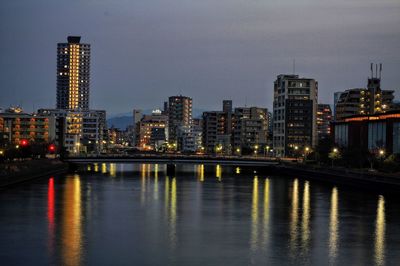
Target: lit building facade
363 101
250 128
73 74
16 126
324 119
216 133
179 114
190 138
152 131
369 132
294 114
82 131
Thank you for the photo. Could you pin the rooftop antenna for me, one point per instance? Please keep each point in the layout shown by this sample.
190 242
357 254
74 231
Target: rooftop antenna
376 70
372 70
380 70
245 101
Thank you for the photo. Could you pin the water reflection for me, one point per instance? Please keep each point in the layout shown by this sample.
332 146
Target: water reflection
155 195
113 169
173 237
50 215
305 226
294 216
71 227
266 216
380 232
143 183
218 172
200 172
103 168
171 209
166 195
334 227
254 216
237 170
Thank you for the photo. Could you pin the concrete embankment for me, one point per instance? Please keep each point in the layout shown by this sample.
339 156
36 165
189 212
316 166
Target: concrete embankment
365 179
12 173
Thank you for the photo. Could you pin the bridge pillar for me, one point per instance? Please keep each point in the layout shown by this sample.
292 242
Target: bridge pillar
171 168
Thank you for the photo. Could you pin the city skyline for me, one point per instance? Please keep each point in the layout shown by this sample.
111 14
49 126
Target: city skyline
232 55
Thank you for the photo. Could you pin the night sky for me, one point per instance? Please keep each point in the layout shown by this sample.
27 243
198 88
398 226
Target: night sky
146 50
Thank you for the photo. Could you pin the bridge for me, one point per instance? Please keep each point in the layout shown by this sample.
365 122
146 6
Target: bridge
173 159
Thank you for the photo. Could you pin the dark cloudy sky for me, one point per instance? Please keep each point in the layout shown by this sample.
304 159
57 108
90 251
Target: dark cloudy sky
145 50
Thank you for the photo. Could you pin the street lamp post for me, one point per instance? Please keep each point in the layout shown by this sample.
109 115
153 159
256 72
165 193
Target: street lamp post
306 151
266 151
255 150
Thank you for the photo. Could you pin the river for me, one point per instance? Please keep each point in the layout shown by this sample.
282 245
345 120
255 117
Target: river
133 214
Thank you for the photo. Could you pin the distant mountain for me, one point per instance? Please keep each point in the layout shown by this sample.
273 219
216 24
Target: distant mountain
123 120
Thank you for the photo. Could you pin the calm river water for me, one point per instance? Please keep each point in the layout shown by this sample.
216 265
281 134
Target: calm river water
126 214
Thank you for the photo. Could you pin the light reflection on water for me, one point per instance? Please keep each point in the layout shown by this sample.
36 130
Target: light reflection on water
254 216
266 216
334 226
71 224
305 225
294 216
380 232
263 219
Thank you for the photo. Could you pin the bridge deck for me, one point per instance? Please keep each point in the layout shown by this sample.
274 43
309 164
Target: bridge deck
239 161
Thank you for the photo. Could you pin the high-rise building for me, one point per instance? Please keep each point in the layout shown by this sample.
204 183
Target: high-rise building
324 119
73 74
179 114
294 114
363 101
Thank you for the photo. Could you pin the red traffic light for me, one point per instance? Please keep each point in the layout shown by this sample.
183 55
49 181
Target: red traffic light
52 148
24 142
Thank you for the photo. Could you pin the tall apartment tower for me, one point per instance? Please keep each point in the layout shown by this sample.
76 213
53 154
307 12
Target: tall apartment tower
295 114
179 114
73 74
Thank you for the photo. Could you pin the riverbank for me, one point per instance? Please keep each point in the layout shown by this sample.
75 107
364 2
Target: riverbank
12 173
358 178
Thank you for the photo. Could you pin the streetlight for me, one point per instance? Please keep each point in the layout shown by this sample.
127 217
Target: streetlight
306 151
266 150
334 155
238 151
255 150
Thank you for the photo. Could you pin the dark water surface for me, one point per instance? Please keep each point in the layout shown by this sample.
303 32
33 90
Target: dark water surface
135 215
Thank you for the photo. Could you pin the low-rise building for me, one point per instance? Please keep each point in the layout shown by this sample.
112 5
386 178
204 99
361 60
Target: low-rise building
250 128
82 131
152 131
15 126
369 132
364 101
